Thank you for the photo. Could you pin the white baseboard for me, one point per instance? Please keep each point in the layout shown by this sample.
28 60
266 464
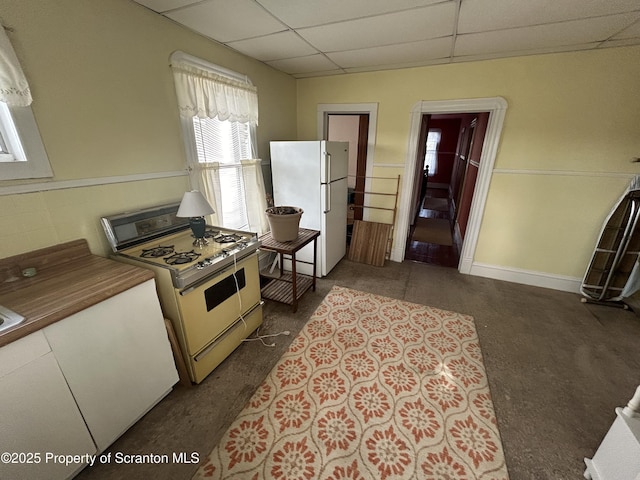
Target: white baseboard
527 277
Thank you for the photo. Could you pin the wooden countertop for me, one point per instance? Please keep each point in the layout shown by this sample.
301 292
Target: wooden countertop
68 279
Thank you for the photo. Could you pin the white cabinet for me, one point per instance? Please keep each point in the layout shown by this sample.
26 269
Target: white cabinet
82 382
117 360
618 456
38 415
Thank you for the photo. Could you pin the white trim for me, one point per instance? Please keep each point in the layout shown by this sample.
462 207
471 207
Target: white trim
496 106
527 277
34 162
86 182
563 173
371 109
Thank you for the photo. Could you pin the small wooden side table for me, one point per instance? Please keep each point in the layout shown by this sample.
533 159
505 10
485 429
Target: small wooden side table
289 287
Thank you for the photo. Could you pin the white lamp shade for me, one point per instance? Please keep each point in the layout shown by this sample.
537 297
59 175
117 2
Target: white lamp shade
194 205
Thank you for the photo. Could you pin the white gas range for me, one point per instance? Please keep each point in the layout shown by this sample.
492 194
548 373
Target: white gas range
211 292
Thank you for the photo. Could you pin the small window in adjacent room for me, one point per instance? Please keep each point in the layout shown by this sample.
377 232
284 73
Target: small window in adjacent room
431 155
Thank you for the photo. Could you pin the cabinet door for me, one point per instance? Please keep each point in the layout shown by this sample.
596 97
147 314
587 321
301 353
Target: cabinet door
38 416
117 360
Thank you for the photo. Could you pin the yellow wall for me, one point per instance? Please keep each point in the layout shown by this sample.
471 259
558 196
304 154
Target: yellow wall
105 105
573 118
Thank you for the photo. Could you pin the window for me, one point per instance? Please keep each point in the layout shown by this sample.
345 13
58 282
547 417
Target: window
226 143
219 115
431 155
22 154
10 146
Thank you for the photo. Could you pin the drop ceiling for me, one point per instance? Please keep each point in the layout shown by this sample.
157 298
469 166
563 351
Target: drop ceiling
307 38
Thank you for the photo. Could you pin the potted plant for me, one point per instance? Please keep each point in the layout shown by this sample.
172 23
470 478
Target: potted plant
284 222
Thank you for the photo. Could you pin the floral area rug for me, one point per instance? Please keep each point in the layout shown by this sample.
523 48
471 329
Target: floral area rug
371 388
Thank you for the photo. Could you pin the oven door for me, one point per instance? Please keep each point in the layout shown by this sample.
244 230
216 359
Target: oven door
209 308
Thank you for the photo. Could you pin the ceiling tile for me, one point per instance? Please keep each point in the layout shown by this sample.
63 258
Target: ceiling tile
540 36
419 24
394 54
216 20
311 63
274 47
519 53
299 14
625 42
480 15
302 37
375 68
164 5
632 31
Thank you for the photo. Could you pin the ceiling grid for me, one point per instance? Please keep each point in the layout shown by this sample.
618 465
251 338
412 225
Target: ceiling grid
326 37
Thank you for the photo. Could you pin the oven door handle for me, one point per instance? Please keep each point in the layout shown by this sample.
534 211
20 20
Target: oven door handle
208 278
231 327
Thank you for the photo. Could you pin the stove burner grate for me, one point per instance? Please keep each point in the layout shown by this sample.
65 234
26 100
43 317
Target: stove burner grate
227 238
180 258
209 233
159 251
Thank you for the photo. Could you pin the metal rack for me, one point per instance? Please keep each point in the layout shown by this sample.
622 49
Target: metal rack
613 273
387 229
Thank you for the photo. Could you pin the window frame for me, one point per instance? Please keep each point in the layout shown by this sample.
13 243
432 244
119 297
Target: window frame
189 132
22 139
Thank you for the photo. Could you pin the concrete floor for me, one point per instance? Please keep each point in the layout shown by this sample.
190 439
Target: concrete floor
557 369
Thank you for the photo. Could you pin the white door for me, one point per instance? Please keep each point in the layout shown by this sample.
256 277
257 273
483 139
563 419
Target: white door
333 240
295 169
38 414
336 161
117 360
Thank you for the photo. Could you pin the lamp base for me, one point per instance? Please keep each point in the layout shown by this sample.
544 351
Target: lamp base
198 228
200 242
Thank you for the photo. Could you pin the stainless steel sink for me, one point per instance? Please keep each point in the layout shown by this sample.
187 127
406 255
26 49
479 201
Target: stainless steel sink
9 318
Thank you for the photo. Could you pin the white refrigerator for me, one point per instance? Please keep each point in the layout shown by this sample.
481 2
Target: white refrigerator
312 175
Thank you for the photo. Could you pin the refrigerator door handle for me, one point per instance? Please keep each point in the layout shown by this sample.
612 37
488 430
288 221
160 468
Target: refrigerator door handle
327 196
327 167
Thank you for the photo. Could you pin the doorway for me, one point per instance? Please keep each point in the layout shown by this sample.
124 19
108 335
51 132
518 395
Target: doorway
363 119
431 239
352 128
495 109
449 151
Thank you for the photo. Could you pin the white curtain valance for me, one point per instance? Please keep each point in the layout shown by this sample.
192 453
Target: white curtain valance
14 89
206 94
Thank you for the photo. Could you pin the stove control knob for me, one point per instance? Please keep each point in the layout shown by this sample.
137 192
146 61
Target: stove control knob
204 263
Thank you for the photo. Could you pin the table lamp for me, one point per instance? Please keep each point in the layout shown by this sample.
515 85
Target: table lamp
195 207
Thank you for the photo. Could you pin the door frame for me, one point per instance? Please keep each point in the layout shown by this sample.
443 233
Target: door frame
496 106
371 109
